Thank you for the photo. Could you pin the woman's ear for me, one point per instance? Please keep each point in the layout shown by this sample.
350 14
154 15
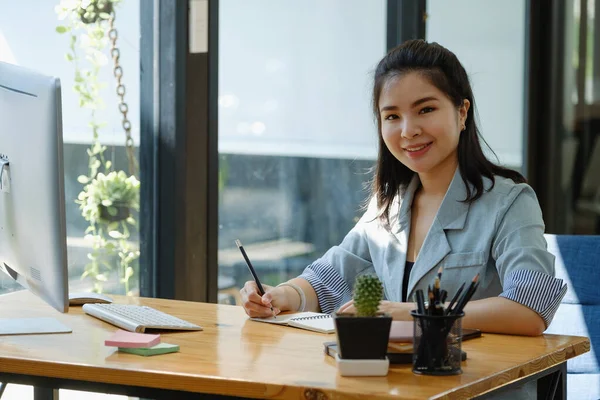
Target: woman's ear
462 113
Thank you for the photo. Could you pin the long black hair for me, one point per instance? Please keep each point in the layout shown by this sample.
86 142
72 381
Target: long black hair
445 72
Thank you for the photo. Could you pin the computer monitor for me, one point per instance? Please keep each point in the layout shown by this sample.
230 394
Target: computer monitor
33 249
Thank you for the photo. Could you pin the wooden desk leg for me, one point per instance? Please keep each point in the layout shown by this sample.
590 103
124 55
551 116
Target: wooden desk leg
42 393
551 385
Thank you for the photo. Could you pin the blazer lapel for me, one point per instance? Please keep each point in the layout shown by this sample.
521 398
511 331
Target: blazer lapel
395 258
452 214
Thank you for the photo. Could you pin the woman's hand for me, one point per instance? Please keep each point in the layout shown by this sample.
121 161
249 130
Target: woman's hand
398 311
257 306
347 308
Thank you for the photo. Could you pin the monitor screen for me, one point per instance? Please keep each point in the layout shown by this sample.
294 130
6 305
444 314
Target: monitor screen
33 248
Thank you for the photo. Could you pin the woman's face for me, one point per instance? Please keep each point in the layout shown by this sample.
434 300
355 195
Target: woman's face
419 124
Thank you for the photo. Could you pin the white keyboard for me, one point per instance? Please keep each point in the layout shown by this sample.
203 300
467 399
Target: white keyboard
137 318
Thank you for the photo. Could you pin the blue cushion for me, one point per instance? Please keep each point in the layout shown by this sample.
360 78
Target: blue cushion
577 320
578 264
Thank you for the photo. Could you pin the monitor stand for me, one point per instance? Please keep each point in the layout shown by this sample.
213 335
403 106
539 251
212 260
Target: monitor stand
31 326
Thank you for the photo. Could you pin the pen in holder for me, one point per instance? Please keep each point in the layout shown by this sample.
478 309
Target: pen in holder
437 344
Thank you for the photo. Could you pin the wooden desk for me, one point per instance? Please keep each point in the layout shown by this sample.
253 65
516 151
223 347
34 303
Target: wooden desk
237 357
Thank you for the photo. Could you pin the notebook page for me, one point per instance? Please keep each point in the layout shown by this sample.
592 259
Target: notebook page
319 323
284 319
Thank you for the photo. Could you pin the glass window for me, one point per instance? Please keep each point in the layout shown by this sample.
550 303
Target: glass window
86 68
296 132
488 37
579 139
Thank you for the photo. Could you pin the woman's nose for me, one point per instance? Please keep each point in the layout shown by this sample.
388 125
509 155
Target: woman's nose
410 129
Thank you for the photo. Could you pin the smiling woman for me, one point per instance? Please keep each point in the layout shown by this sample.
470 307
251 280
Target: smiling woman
436 198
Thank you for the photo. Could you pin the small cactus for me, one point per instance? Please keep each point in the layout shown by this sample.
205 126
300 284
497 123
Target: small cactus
368 293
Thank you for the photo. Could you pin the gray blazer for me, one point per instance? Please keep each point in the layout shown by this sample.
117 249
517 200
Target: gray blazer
500 236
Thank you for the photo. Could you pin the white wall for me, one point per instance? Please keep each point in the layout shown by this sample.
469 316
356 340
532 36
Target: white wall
295 76
28 38
488 37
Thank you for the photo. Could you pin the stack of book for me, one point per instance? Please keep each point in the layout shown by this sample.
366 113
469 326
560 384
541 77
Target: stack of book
143 344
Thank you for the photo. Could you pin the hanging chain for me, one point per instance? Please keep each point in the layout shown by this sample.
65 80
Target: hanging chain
123 108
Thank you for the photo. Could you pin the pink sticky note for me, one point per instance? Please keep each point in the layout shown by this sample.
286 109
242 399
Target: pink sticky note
132 340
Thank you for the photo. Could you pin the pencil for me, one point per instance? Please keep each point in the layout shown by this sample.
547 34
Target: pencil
467 295
252 271
458 292
420 300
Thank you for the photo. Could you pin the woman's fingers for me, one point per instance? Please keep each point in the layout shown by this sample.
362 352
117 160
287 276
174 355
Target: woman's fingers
255 305
384 305
266 299
350 310
258 311
251 300
347 307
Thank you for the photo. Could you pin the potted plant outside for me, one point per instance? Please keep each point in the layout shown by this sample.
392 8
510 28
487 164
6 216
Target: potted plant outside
364 335
109 198
109 203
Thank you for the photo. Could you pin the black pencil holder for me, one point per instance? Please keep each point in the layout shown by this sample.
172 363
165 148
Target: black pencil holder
437 342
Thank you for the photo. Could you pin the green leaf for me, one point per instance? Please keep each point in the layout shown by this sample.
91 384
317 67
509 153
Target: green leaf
69 57
128 273
62 29
115 234
110 246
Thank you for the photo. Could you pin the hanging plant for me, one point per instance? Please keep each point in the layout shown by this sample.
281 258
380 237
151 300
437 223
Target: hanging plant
109 199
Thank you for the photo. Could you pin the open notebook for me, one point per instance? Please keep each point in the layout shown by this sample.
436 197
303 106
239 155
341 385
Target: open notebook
305 320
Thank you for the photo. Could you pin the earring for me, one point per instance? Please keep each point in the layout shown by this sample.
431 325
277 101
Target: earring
464 127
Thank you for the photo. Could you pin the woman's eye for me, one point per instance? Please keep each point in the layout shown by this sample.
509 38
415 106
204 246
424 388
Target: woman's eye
390 117
426 110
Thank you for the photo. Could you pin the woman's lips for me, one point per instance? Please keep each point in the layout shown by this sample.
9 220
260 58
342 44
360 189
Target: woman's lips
417 151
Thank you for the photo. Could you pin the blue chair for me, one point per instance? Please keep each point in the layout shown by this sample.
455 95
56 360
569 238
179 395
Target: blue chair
578 264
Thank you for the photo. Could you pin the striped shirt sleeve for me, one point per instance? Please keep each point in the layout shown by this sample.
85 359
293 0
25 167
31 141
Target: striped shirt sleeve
536 290
331 289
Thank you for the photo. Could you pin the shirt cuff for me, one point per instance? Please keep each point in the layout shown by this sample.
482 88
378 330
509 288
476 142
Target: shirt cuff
331 289
536 290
